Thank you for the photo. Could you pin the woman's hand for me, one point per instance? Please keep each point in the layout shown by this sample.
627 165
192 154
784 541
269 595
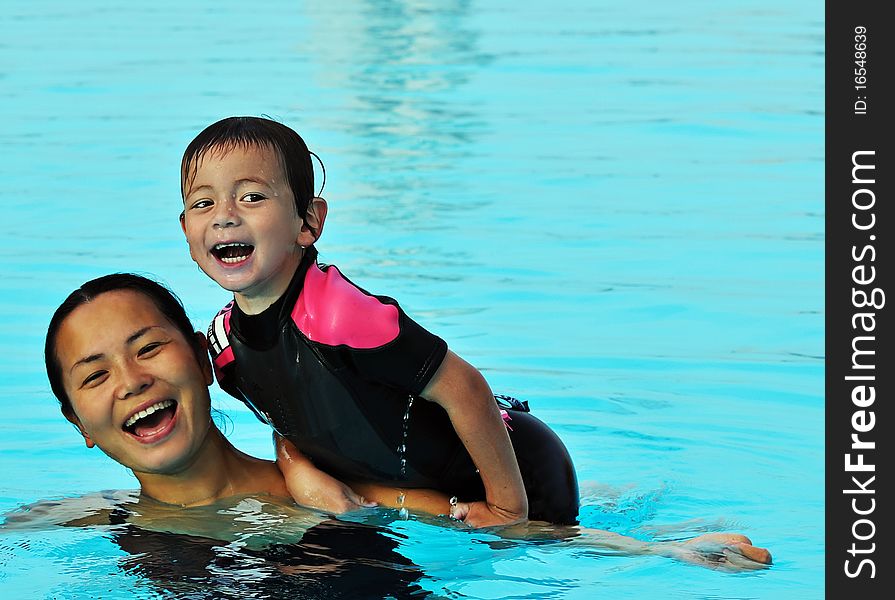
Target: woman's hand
725 551
482 514
311 487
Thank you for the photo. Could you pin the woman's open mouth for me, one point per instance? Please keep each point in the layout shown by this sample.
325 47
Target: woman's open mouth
232 253
152 422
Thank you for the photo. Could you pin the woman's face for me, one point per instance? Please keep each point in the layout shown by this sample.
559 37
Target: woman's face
137 388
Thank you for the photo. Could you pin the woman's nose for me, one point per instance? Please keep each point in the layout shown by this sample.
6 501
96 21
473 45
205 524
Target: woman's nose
133 381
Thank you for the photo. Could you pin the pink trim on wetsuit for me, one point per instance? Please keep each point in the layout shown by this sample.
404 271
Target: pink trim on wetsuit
506 418
225 356
331 310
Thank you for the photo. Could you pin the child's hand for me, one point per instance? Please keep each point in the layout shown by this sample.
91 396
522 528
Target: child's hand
311 487
482 514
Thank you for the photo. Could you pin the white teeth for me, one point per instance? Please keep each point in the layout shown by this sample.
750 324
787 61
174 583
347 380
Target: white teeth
230 260
148 411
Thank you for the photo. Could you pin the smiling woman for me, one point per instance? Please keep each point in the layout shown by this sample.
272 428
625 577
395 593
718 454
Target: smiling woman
133 377
106 382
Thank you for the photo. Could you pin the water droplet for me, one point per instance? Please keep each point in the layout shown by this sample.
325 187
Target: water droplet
403 513
402 448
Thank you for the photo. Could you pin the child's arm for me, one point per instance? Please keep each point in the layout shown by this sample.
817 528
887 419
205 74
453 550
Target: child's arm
462 391
311 487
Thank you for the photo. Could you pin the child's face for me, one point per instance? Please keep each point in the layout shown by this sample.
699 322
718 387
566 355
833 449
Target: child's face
241 224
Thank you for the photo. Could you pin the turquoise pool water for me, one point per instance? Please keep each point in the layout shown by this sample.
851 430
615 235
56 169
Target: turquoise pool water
614 210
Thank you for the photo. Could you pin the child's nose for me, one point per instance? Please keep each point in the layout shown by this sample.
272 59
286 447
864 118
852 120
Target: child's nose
225 214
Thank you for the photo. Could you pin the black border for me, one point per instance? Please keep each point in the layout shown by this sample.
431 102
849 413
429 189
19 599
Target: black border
846 133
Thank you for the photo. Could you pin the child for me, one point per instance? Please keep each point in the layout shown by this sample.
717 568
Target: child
364 392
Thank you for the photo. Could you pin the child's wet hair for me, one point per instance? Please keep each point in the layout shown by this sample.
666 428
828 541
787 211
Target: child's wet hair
164 299
236 132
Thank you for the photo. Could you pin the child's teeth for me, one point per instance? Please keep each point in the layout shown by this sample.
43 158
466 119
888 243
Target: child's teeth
233 252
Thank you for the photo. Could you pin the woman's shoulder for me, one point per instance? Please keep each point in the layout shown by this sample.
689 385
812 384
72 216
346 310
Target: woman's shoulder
96 508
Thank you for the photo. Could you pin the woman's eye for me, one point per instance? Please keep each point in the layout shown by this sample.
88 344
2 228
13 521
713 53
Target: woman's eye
94 378
149 349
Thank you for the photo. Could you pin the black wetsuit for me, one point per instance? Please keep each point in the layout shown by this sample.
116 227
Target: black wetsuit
338 372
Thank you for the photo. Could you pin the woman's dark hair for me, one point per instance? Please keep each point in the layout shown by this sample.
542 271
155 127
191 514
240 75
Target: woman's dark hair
235 132
164 299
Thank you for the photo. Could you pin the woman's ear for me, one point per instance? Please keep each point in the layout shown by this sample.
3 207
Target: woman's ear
202 356
74 420
312 228
89 443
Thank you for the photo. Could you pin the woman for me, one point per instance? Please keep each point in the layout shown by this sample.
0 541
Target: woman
133 377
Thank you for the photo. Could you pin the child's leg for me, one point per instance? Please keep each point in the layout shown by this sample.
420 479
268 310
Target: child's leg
547 470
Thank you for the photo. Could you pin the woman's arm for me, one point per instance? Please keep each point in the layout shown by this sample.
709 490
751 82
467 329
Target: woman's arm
428 501
460 389
723 551
311 487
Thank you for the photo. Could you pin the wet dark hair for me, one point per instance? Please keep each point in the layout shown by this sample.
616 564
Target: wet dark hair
164 299
236 132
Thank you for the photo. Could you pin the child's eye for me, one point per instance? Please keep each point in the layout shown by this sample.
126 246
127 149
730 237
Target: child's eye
254 197
204 203
94 379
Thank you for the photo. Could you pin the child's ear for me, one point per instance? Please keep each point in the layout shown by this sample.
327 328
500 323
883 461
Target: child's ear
312 227
183 222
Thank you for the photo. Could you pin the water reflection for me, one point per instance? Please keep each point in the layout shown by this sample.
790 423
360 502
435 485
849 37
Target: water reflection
400 67
332 560
241 547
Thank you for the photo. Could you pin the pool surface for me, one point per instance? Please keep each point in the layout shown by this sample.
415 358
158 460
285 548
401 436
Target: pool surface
614 210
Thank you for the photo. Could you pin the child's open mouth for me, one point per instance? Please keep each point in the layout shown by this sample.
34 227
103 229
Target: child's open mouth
152 419
233 252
